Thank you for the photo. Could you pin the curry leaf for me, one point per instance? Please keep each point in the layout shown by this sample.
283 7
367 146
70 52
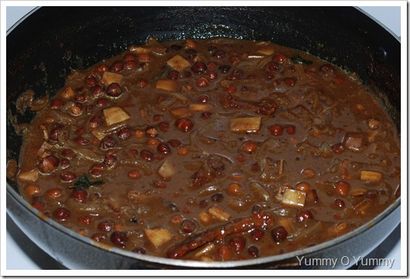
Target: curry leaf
84 182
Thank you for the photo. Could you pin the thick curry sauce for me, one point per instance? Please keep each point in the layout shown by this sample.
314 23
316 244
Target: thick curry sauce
211 150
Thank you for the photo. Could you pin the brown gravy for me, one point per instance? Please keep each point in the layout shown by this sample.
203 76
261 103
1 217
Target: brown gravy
211 150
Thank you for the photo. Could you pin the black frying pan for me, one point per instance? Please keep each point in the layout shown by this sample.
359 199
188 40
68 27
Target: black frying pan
51 42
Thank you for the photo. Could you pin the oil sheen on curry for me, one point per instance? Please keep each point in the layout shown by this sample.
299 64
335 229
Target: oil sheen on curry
210 150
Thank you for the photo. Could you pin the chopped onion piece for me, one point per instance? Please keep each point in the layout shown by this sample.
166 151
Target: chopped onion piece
205 250
109 77
208 190
101 132
200 107
178 96
338 228
260 191
167 169
43 148
358 192
115 115
245 124
253 56
181 112
88 154
370 176
219 214
294 197
159 50
178 63
158 237
362 207
263 43
308 232
266 50
98 134
166 84
138 49
287 223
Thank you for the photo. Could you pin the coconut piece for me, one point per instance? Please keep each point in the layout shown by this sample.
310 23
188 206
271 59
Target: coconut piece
31 175
245 124
158 236
109 77
167 169
294 198
98 134
178 63
370 176
115 115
